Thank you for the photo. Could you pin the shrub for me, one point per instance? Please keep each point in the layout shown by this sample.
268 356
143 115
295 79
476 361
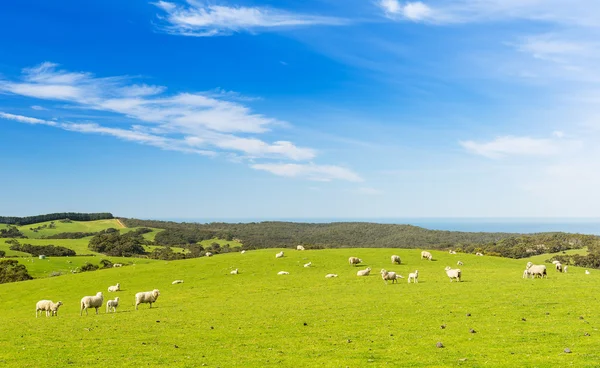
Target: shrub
12 271
88 267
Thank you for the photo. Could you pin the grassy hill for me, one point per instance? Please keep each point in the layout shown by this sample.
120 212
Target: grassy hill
260 319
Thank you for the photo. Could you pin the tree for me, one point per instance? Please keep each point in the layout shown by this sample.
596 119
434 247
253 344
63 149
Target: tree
12 271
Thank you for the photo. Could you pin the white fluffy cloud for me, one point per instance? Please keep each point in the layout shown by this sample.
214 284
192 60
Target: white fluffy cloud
310 171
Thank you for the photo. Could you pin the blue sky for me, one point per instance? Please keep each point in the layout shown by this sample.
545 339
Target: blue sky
301 109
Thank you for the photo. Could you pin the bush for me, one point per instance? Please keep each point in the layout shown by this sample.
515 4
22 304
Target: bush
12 271
88 267
47 250
2 253
105 263
11 232
116 244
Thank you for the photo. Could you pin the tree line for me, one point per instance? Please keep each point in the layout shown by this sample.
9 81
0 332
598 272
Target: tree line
75 216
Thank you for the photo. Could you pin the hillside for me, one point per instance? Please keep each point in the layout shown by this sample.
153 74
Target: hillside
259 319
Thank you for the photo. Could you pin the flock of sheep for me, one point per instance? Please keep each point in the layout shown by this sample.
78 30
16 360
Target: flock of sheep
96 301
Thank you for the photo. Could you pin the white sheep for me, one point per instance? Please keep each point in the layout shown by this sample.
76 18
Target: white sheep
426 255
526 274
299 247
587 272
283 273
146 297
116 287
565 269
307 265
536 270
395 259
555 262
279 255
354 261
389 275
330 275
118 265
91 302
243 252
47 306
414 276
453 273
459 263
558 267
112 304
208 254
452 251
479 254
177 282
234 272
364 272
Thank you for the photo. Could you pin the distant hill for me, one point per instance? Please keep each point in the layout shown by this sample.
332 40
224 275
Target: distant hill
75 216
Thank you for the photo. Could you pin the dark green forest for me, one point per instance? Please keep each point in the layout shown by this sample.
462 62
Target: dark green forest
12 220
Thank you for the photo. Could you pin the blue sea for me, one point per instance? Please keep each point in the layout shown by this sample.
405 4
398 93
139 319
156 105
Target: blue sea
508 225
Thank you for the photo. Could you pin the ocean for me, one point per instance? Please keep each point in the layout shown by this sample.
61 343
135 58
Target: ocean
507 225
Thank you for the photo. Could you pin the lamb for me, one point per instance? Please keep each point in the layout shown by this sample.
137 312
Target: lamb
242 252
177 282
91 302
526 274
536 270
118 265
395 259
587 272
427 255
146 297
479 254
364 272
234 272
452 251
283 273
414 276
453 273
459 263
308 264
389 275
116 287
354 261
558 267
47 306
330 275
565 269
279 255
208 254
112 304
299 247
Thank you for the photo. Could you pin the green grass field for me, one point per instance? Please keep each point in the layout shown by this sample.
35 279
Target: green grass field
69 227
221 242
260 319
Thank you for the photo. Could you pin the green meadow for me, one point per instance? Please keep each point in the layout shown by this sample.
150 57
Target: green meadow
260 319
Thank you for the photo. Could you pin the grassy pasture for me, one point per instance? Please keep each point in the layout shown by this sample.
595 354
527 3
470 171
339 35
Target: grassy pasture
69 227
260 319
221 242
44 267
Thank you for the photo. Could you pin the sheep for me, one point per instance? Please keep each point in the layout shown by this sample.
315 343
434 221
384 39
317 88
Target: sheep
526 274
330 275
565 269
389 275
116 287
452 251
91 302
47 306
558 267
479 254
555 262
118 265
364 272
453 273
234 272
395 259
459 263
146 297
354 261
414 276
587 272
242 252
427 255
308 264
279 255
299 247
283 273
536 270
112 304
529 264
177 282
208 254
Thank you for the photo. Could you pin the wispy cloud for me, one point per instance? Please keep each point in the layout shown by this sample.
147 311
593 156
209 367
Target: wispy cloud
520 146
201 19
310 171
206 123
416 11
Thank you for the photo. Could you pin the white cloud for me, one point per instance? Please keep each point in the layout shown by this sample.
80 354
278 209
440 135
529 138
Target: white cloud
205 20
516 146
414 11
310 171
38 108
26 119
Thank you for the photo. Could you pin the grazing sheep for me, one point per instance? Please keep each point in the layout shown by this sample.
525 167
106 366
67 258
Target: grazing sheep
283 273
479 254
91 302
529 264
243 252
555 262
330 275
118 265
537 270
299 247
234 272
558 267
395 259
279 255
354 261
526 274
427 255
116 287
587 272
364 272
452 251
146 297
459 263
208 254
112 304
414 276
453 273
177 282
47 306
565 269
389 275
308 264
